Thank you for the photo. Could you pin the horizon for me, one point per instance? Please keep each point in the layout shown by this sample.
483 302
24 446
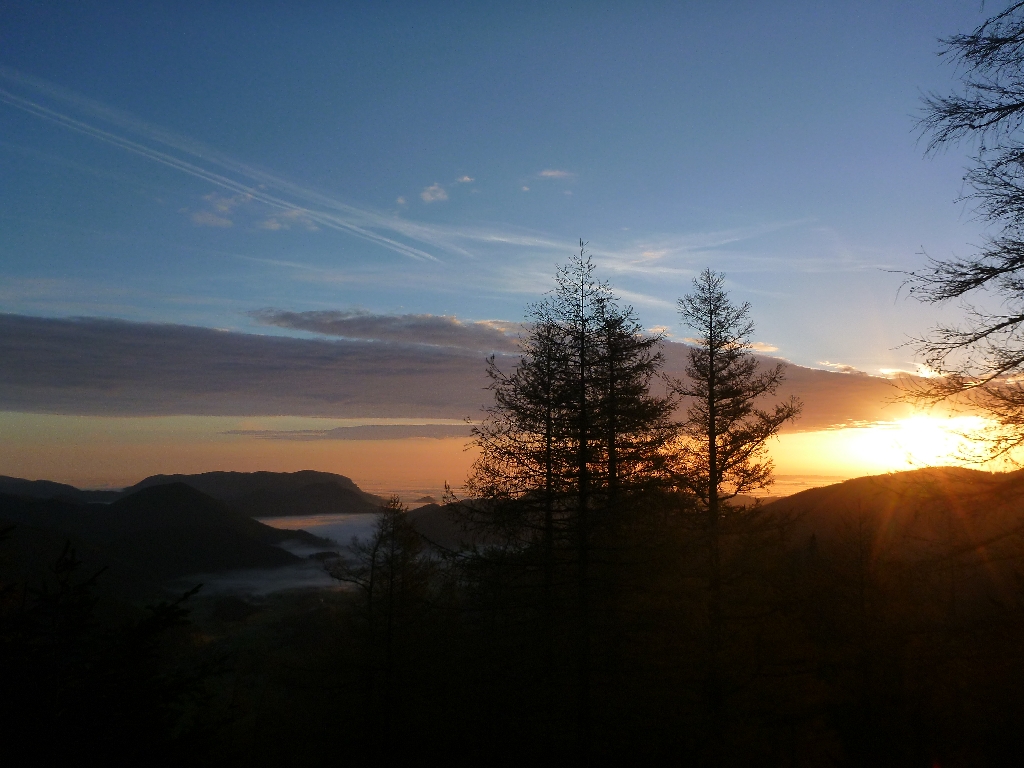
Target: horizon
212 243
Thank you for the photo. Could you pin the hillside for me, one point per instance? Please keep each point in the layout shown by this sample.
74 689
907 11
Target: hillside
914 508
255 494
272 494
152 535
47 489
961 528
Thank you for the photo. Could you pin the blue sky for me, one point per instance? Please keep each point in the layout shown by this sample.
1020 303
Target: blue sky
191 163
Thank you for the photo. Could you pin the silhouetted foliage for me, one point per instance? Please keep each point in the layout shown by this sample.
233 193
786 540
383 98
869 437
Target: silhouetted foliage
575 431
980 362
721 451
76 687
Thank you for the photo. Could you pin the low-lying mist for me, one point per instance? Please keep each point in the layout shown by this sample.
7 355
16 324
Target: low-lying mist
309 574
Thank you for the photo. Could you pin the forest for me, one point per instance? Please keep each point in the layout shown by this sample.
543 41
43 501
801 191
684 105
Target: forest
224 243
607 588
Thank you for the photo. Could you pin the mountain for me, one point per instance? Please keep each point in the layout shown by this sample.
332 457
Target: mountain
910 529
154 534
256 494
439 526
272 494
912 509
45 489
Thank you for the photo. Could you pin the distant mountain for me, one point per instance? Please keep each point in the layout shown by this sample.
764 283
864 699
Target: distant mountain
439 526
273 494
155 534
256 494
45 489
442 526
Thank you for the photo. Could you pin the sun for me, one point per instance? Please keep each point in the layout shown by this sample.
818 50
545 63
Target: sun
921 440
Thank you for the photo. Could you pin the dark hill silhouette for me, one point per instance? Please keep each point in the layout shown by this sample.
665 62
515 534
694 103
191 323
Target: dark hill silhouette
966 523
439 526
443 526
46 489
911 509
271 494
157 533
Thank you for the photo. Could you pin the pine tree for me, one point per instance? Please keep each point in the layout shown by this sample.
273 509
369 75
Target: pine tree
573 430
722 449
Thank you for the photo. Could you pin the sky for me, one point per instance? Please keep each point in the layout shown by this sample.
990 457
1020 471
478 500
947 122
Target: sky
223 227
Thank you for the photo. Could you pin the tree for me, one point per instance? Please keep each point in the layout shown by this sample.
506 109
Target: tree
392 572
981 361
572 430
722 450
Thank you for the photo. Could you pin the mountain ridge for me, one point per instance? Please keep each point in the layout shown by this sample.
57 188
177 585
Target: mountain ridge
256 494
146 538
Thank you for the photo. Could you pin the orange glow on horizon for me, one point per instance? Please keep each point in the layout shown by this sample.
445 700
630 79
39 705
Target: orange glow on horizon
115 452
918 441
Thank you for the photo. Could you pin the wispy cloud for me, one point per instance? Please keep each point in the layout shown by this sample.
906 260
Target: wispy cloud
648 257
226 205
208 219
294 217
842 368
464 180
437 330
198 160
361 432
434 193
760 346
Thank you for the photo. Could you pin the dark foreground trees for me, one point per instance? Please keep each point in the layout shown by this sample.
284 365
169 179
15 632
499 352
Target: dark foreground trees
605 616
721 449
574 435
393 575
76 688
981 360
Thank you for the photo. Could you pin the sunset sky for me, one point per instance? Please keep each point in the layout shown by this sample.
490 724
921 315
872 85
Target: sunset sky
233 239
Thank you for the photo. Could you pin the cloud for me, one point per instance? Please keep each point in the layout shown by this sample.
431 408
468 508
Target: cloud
228 204
419 241
842 368
400 200
362 432
433 194
113 367
525 188
829 398
436 330
296 217
207 219
550 173
760 346
464 180
920 371
130 134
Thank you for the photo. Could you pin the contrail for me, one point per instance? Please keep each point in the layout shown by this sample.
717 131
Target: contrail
319 207
324 218
218 169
